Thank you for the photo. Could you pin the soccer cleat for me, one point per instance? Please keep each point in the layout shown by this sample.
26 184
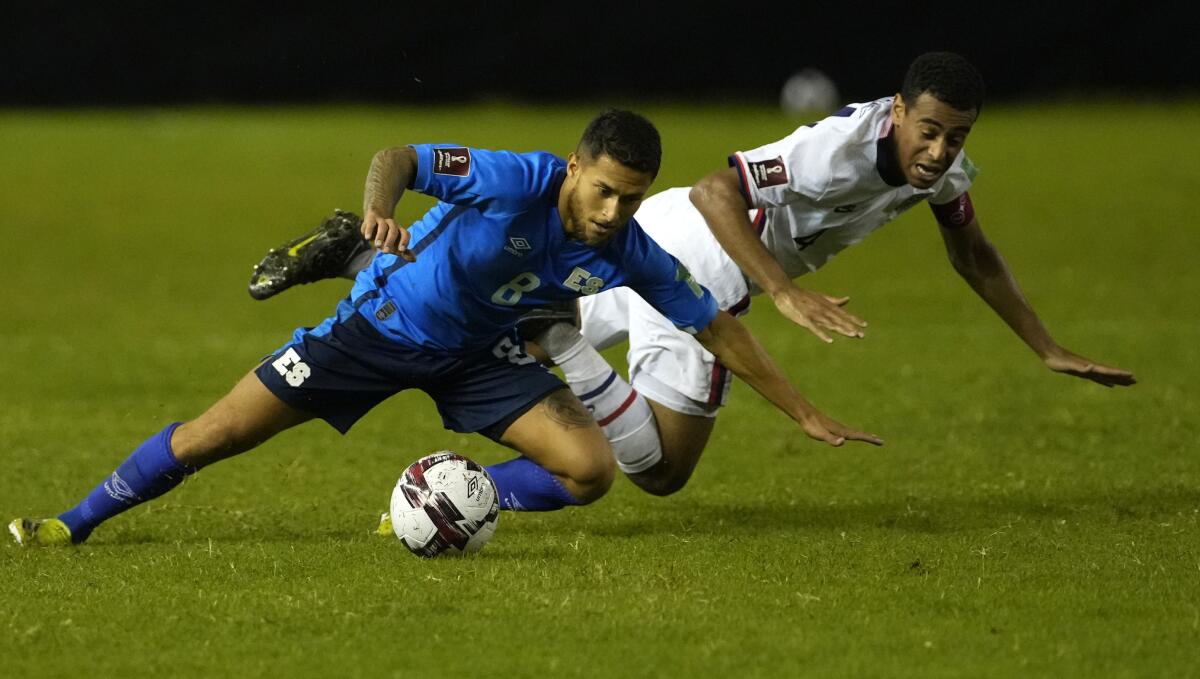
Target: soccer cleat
537 321
40 532
321 253
385 525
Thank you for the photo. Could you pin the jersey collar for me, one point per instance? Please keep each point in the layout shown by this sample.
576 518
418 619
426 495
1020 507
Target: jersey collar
887 164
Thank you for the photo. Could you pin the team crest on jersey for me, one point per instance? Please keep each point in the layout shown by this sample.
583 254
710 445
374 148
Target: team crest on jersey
455 162
768 172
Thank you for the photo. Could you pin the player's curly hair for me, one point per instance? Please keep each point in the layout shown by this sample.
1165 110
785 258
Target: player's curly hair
948 77
626 137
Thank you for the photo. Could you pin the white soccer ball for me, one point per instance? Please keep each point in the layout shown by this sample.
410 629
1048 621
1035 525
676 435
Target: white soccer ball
808 91
444 504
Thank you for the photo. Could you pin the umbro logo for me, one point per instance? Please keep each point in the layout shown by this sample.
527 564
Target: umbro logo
517 246
802 242
118 489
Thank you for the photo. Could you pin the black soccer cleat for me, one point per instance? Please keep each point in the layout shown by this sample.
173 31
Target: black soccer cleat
321 253
537 321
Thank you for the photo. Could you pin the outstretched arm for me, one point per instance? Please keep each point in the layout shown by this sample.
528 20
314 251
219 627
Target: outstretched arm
392 170
724 208
736 348
981 266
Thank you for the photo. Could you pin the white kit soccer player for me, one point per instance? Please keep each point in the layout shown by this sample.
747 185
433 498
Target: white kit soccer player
815 192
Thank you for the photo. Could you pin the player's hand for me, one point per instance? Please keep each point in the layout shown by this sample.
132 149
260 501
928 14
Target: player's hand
820 313
1069 363
387 236
822 428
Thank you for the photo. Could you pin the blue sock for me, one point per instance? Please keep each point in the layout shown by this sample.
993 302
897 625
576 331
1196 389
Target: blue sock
524 485
149 472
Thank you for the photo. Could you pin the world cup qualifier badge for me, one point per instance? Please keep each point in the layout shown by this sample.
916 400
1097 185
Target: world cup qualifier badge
768 172
455 162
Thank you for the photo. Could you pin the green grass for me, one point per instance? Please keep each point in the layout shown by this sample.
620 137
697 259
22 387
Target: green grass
1016 523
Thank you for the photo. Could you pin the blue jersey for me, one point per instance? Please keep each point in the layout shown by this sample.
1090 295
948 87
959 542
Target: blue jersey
494 248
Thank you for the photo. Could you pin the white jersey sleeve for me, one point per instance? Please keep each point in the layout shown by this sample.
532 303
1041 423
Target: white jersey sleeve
802 165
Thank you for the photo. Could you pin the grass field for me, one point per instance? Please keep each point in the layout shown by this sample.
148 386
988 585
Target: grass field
1017 523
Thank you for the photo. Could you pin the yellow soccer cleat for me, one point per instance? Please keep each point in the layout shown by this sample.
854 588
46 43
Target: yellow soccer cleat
40 532
319 254
385 525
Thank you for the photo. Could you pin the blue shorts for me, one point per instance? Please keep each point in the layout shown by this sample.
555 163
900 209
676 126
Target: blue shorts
341 369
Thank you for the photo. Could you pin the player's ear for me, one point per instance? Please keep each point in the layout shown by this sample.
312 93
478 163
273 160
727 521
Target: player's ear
897 109
572 164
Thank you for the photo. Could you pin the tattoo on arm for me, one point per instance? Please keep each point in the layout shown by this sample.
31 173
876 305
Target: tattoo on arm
562 407
375 186
390 173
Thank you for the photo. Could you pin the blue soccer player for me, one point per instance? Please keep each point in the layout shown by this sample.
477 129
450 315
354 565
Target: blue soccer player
436 311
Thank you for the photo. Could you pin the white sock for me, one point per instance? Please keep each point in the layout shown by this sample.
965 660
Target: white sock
623 414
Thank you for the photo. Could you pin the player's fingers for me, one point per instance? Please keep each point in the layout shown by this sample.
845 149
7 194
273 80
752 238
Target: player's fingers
854 319
838 323
390 235
838 301
402 246
1115 375
822 434
818 332
862 436
841 329
368 229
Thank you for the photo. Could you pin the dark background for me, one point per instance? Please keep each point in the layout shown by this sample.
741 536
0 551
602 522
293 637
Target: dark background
55 53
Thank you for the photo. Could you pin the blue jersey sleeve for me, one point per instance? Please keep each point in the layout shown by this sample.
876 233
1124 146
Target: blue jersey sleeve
666 284
501 182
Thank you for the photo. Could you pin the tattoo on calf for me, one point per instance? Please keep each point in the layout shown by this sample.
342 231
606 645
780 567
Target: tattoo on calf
562 407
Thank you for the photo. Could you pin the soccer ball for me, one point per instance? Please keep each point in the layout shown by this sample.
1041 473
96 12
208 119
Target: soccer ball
444 504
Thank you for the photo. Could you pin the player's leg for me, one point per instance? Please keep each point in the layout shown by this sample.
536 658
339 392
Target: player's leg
684 437
242 419
559 437
659 429
623 415
506 395
685 386
246 417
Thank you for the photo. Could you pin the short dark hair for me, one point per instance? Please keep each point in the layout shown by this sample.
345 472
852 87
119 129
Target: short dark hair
948 77
626 137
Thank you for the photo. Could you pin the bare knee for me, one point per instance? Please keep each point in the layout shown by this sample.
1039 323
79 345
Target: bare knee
591 475
662 479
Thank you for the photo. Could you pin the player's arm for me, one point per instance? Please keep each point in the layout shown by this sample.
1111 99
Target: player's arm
719 199
982 267
392 171
736 348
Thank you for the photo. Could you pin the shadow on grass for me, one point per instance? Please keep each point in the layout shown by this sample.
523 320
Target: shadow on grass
682 515
929 515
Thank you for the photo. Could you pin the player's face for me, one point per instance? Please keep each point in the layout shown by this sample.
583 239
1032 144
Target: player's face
929 136
601 196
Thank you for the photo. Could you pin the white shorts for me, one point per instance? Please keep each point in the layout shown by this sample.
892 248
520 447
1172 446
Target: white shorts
667 365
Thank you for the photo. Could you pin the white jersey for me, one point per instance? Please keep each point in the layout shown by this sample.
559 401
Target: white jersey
826 185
